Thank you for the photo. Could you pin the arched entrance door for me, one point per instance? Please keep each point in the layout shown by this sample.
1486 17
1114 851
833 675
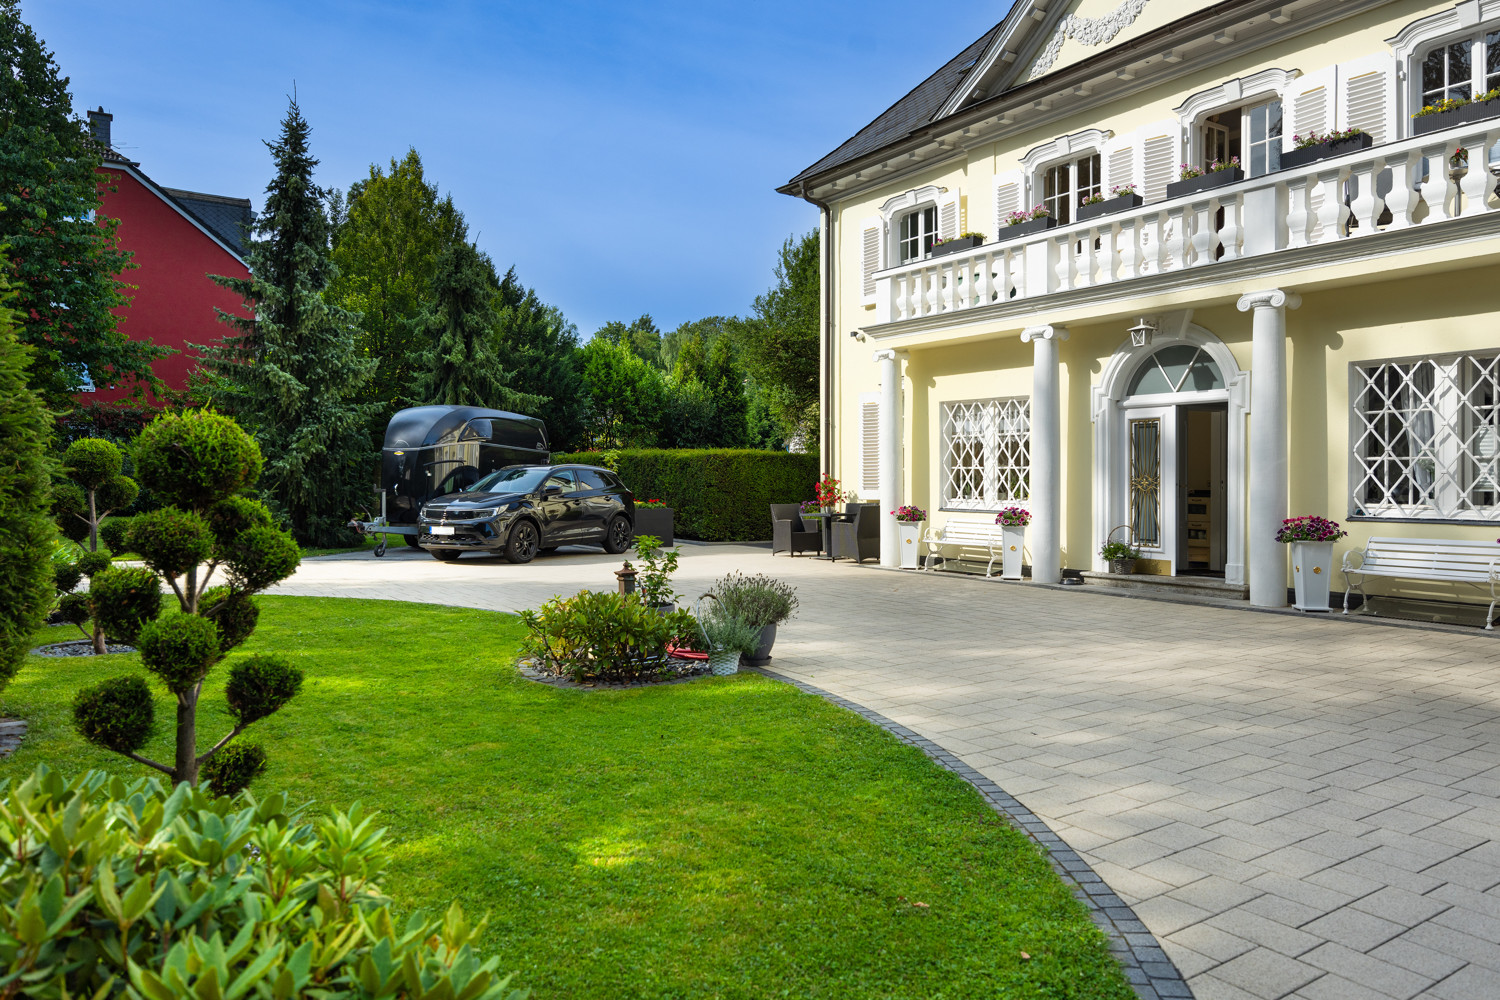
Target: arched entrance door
1169 447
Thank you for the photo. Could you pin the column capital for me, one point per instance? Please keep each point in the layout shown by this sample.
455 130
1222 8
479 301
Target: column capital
1043 333
889 354
1270 298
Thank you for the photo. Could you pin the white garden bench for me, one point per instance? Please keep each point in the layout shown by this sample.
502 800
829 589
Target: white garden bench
1437 559
961 534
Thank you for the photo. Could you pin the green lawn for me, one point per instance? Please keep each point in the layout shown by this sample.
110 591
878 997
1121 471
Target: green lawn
726 837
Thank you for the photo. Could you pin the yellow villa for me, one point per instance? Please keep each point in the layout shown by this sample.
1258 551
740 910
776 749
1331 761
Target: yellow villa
1177 271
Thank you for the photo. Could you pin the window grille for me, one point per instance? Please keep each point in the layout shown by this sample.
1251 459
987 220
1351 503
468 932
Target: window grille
1426 438
986 453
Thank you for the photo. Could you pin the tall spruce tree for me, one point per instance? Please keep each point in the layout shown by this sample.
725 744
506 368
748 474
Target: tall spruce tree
291 374
539 347
64 266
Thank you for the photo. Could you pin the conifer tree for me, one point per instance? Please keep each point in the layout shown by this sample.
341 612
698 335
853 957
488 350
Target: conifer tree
64 266
292 374
539 347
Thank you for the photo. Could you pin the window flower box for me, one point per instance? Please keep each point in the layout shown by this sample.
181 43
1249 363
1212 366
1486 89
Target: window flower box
1205 182
1292 158
957 245
1464 114
1109 206
1028 228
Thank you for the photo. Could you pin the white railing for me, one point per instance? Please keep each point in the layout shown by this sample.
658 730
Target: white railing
1394 186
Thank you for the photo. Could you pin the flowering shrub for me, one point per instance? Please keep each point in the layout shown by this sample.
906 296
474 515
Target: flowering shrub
1013 517
1318 138
911 514
1188 173
1038 212
828 492
1309 528
653 504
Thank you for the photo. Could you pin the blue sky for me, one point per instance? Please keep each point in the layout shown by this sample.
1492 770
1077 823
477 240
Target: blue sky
622 156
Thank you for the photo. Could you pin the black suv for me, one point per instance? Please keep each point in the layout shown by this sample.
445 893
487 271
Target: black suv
525 509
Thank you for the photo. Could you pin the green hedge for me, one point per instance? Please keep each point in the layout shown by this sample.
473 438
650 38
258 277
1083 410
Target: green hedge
717 494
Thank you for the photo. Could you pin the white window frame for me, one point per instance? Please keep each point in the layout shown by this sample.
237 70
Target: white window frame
1469 19
891 213
1003 430
1242 93
925 224
1478 43
1066 151
1070 169
1432 446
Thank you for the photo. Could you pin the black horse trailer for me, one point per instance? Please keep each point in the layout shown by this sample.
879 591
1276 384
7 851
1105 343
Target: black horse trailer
434 450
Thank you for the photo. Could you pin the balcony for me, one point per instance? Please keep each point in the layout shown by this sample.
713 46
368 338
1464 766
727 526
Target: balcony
1340 200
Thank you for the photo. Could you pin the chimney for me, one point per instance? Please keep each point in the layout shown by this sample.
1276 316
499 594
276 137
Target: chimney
99 122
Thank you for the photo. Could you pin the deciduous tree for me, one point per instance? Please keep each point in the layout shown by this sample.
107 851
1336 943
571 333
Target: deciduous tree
779 345
624 394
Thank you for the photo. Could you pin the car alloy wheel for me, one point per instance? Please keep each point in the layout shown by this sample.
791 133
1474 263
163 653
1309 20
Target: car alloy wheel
617 536
522 544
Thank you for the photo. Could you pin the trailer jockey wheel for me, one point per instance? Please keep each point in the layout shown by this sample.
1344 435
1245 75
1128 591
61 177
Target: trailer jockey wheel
380 549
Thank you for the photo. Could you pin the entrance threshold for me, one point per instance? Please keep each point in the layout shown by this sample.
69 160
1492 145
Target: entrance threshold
1180 586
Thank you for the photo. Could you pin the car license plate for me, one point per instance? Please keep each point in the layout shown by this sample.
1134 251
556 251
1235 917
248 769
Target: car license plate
442 529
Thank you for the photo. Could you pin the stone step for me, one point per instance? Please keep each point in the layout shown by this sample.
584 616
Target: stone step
1180 586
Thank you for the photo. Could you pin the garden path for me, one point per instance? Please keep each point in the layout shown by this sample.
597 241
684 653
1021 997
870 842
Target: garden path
1295 806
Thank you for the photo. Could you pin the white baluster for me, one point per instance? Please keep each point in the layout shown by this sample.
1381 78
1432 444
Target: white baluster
1438 189
1205 237
1177 239
1229 235
930 283
1298 219
1129 242
1107 260
1332 212
1476 184
1403 196
1083 251
948 285
1013 275
1367 205
985 290
1153 245
1063 247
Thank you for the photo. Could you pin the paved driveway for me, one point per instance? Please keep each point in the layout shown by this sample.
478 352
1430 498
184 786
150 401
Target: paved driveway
1294 806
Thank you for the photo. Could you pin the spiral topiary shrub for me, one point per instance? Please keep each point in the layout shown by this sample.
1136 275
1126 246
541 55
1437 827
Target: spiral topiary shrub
233 768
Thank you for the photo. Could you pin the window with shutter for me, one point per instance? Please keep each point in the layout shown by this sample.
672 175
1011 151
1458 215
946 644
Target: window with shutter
948 217
1119 166
1159 166
870 257
869 446
1007 200
1310 111
1366 104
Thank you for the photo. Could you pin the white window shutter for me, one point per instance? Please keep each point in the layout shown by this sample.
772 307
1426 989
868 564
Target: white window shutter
948 216
1161 157
1310 101
1368 96
1007 198
870 256
1120 163
869 445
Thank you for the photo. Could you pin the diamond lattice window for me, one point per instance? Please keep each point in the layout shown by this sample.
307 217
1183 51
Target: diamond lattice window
1426 438
986 453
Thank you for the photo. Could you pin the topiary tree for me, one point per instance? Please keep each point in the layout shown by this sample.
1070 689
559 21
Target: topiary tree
94 487
198 462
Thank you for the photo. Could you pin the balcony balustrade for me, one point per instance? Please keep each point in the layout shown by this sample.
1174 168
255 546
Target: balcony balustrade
1337 200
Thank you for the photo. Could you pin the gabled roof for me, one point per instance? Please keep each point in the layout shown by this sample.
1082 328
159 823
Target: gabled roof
229 218
908 114
114 159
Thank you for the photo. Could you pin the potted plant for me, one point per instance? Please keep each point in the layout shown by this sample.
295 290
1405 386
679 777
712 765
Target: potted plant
1317 146
1121 556
1216 174
1458 163
654 517
729 637
829 494
963 241
1311 538
1453 111
1013 522
1034 220
653 580
763 601
909 533
1122 197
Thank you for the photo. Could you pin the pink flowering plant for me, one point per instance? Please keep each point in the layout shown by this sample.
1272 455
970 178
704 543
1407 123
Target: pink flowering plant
1121 190
1013 517
811 507
910 514
1189 172
961 236
1309 528
1038 212
1318 138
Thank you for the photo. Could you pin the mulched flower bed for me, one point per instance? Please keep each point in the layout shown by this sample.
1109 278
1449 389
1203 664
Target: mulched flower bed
673 670
79 647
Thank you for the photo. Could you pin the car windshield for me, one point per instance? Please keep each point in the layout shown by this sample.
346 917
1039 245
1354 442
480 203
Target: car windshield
519 479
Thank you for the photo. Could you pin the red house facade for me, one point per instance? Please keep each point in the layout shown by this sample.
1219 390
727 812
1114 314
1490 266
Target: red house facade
178 238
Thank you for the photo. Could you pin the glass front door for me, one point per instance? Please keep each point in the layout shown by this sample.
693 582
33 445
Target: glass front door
1151 463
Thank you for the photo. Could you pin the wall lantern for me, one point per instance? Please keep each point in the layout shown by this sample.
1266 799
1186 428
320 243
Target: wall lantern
1140 334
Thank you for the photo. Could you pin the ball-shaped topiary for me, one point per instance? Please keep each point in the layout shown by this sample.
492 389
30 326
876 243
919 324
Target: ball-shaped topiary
117 493
122 599
233 515
112 532
232 768
259 557
259 686
233 614
66 576
196 458
116 714
171 541
180 649
91 563
74 608
70 506
92 462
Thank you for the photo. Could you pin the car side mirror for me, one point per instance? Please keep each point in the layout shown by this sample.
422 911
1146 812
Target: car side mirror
552 491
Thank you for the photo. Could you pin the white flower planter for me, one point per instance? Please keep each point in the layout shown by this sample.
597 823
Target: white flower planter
908 542
723 664
1312 568
1013 538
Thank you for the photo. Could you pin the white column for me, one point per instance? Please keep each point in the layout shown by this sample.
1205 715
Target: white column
890 455
1046 454
1268 443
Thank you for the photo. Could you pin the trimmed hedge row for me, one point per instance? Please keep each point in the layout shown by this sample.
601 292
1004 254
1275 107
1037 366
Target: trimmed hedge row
717 494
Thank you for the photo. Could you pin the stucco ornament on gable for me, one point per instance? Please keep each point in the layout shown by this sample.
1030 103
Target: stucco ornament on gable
1091 31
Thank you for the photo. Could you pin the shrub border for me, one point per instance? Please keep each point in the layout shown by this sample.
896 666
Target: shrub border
1149 971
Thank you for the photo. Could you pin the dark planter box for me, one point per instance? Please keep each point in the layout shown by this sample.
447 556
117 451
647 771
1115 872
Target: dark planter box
1478 112
655 521
1030 228
1323 150
1217 179
1109 206
957 246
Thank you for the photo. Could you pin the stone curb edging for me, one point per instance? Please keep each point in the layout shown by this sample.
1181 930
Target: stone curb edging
1147 966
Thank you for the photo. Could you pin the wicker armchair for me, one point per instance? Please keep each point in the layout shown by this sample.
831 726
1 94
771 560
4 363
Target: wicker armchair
788 534
858 538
